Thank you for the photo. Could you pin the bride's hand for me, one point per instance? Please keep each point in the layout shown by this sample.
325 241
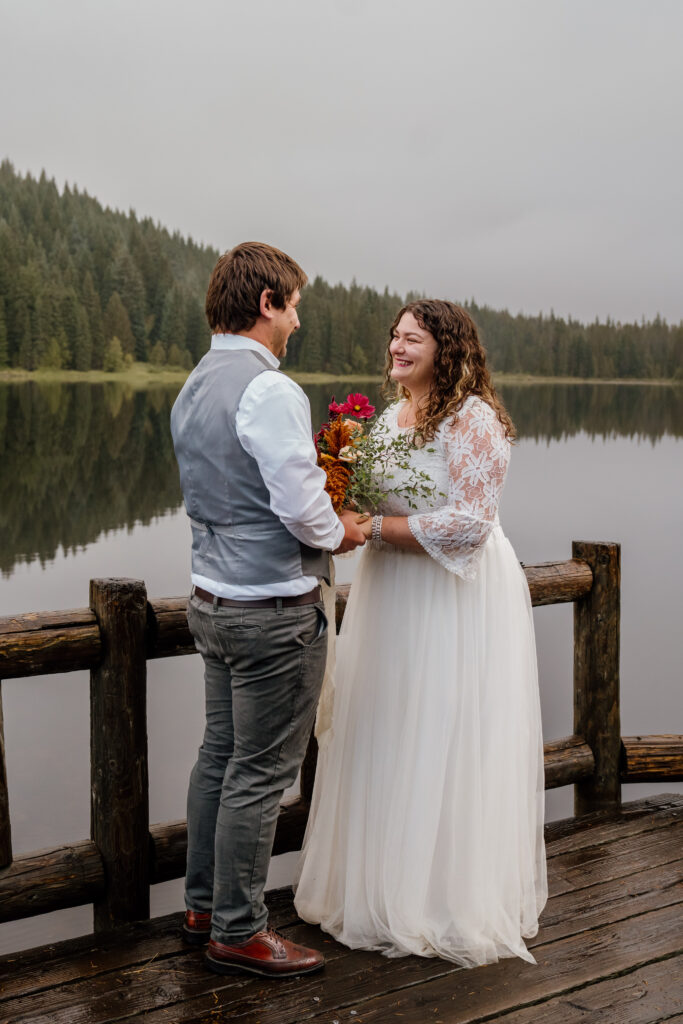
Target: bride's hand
365 523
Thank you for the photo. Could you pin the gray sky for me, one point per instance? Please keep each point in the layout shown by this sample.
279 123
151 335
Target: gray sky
524 152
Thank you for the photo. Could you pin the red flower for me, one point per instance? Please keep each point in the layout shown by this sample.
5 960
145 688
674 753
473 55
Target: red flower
358 406
317 438
334 409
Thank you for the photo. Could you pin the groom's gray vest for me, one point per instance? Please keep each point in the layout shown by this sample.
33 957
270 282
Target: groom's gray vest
236 538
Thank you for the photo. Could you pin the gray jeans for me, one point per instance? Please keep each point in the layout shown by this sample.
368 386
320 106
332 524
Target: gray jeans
263 670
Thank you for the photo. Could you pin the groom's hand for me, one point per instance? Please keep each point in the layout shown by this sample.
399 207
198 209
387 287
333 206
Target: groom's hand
354 535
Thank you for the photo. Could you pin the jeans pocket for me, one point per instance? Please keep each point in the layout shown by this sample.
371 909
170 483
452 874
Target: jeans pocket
312 629
237 637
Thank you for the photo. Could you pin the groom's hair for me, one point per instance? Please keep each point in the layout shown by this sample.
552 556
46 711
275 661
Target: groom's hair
239 278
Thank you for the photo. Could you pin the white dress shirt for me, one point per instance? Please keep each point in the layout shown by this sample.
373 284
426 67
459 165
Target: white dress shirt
273 425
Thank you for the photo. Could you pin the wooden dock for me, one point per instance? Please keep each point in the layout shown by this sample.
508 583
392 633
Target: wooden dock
610 949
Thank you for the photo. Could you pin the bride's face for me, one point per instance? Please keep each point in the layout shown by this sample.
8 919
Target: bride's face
413 351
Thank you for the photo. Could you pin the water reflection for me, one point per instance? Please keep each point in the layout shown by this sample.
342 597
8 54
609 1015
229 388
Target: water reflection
78 460
554 411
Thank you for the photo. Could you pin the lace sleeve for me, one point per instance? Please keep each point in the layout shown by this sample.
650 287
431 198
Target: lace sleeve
477 453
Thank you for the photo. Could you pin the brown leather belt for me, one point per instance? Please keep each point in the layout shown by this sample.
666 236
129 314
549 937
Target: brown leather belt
312 597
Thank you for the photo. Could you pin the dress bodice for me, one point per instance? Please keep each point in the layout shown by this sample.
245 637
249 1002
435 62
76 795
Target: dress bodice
466 463
429 459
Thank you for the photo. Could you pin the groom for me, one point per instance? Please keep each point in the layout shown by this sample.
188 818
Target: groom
262 532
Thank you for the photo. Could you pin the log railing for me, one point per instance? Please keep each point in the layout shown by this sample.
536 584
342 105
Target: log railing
121 630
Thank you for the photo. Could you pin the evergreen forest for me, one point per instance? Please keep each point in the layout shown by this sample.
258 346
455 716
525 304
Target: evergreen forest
86 287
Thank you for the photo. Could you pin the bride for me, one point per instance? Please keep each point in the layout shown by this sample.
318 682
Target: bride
426 827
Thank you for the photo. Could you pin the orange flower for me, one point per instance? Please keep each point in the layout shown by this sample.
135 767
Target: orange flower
337 436
338 476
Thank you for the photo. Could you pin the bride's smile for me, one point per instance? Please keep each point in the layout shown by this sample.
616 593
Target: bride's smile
412 350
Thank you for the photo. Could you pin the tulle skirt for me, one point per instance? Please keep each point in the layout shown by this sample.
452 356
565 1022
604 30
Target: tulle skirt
426 827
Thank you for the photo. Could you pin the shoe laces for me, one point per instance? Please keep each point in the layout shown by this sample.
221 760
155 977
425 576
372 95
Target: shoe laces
278 941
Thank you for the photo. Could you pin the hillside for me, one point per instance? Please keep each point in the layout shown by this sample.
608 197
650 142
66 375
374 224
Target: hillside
86 287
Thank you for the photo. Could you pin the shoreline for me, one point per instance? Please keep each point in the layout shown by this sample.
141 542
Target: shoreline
142 375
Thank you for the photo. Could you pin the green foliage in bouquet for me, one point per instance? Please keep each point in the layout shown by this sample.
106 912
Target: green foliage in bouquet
378 456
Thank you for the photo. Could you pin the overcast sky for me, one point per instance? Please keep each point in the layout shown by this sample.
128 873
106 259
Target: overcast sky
527 153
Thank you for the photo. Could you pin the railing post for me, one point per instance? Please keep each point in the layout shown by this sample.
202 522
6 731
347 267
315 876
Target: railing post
118 751
5 826
596 676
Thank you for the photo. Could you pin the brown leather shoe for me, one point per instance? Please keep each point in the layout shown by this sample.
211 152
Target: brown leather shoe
265 953
196 927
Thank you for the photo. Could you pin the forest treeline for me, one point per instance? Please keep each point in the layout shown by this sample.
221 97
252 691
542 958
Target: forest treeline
86 287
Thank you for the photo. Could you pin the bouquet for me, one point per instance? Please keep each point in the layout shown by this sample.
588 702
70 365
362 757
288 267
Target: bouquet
360 458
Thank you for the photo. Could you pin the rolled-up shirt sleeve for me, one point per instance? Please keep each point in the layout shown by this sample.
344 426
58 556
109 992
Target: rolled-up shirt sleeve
273 424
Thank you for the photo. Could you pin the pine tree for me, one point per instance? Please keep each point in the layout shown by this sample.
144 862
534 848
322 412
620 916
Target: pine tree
113 356
127 281
117 323
173 320
197 334
157 355
93 308
52 357
175 356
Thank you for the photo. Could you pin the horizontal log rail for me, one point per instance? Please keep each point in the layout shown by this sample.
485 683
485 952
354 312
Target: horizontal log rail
70 875
122 630
41 643
651 758
44 880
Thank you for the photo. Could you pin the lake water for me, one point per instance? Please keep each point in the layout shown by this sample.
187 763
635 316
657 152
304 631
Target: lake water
89 487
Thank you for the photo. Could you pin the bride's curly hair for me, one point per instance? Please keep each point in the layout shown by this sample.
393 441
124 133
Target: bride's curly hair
459 366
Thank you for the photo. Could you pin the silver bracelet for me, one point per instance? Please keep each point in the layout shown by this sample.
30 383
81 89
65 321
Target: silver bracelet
376 531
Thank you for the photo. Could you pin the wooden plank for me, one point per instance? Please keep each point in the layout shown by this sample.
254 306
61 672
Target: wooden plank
5 824
118 751
651 758
576 910
134 989
578 869
65 876
187 978
367 983
644 995
612 900
567 761
130 946
603 826
596 676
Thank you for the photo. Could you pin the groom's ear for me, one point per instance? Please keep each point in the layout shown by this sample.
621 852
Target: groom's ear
266 303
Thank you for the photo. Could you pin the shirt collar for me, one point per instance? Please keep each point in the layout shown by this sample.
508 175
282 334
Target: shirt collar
238 343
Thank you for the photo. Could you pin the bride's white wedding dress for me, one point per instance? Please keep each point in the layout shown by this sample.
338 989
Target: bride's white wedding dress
426 827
